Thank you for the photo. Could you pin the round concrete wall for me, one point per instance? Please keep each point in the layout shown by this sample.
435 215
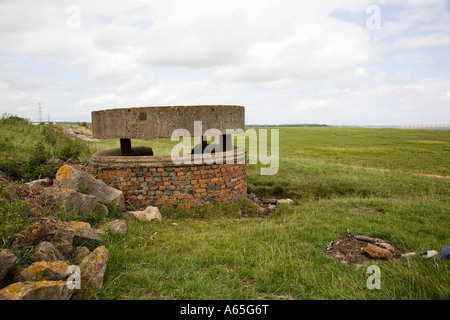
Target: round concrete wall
161 122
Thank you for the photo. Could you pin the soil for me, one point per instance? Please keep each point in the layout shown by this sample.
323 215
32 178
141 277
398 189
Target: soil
366 211
351 250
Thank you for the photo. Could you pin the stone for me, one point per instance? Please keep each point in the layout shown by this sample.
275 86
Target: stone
377 252
270 201
37 290
71 178
85 235
386 246
72 132
60 234
284 201
444 253
4 177
148 214
55 161
7 262
30 237
40 183
79 254
46 251
429 254
116 226
75 202
92 268
44 270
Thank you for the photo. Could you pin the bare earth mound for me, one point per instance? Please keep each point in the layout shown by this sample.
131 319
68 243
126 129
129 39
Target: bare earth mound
356 251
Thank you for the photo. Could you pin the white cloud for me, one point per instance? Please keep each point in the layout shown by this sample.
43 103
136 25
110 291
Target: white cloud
291 56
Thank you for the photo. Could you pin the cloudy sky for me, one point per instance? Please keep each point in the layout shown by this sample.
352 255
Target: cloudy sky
350 62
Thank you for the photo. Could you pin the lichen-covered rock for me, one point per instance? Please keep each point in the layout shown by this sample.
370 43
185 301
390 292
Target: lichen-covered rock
44 270
60 234
93 268
46 251
37 290
30 237
7 262
116 226
71 178
75 202
85 235
79 254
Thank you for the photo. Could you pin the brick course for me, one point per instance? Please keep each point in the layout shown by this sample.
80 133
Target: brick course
159 182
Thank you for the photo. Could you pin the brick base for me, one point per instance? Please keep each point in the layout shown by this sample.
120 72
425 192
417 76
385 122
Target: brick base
157 181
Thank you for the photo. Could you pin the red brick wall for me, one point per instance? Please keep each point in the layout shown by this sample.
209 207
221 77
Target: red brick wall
178 186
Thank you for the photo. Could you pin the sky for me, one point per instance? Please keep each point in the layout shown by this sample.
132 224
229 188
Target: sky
335 62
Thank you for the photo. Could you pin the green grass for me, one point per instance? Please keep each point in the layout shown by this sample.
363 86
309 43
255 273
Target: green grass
25 148
328 172
229 252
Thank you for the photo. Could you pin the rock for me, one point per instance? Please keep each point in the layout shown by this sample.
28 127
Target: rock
41 183
55 161
92 269
85 235
80 136
444 253
79 180
7 262
377 252
75 202
148 214
37 290
79 254
60 234
72 132
44 270
409 254
30 237
270 201
429 254
4 177
46 251
386 246
271 207
284 201
116 226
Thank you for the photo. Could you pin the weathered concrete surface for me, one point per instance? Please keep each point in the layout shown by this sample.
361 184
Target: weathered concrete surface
160 122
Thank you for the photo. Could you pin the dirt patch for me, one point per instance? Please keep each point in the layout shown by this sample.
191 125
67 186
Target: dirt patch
366 211
353 251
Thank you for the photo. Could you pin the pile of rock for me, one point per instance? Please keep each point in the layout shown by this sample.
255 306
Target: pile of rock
267 205
54 243
62 251
76 134
80 192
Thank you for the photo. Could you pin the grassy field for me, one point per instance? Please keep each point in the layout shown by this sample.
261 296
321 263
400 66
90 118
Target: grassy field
221 253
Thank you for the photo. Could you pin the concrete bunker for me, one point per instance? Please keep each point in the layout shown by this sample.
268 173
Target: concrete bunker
149 179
